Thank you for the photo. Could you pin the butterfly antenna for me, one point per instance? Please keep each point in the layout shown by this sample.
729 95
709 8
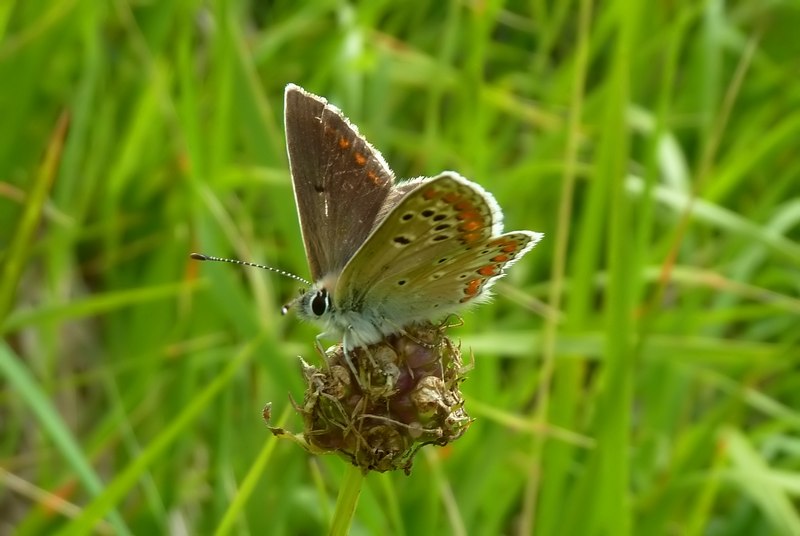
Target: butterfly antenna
201 257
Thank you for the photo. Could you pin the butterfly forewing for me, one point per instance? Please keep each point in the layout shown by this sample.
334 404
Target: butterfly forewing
340 181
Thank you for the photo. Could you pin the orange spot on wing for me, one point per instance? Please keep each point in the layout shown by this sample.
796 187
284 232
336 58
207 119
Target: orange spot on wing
488 270
470 237
360 159
500 258
430 193
464 205
451 197
473 287
468 215
371 175
344 143
470 226
509 247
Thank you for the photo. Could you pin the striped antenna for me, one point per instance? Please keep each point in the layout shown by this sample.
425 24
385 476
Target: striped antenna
201 257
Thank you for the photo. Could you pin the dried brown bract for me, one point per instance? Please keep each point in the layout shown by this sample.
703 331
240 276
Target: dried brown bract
407 395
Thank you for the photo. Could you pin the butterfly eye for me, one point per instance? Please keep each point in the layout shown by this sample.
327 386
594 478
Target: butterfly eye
320 302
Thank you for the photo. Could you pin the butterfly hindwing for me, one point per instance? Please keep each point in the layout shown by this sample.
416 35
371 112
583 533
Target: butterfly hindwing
438 249
465 279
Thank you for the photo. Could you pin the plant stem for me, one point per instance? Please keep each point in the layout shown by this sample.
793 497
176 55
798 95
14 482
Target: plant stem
347 501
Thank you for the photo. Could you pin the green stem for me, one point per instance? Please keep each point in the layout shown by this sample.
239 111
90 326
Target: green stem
347 501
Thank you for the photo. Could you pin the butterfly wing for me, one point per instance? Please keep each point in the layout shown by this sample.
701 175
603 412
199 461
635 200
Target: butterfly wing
437 250
340 181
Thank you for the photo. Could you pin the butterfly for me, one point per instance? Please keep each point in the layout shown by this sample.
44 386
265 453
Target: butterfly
386 254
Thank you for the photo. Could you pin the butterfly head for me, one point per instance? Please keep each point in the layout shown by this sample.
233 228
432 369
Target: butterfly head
356 324
315 303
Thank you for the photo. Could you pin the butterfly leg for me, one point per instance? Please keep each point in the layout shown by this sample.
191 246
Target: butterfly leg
346 348
318 345
345 352
350 342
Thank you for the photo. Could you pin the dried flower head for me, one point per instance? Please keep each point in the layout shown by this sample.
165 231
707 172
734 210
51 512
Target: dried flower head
406 396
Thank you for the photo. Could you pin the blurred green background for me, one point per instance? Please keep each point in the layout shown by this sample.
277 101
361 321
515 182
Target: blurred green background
637 373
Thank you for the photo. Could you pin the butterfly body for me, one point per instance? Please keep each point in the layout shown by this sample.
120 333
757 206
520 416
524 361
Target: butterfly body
385 255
